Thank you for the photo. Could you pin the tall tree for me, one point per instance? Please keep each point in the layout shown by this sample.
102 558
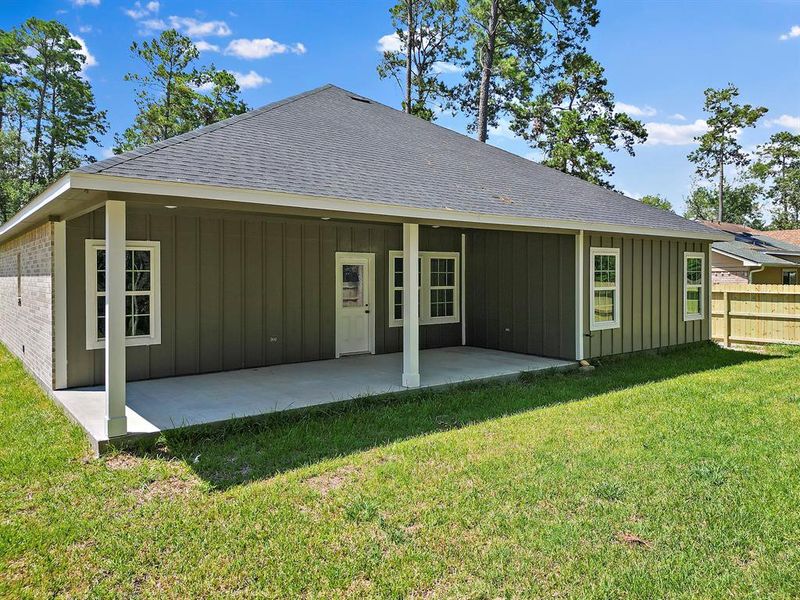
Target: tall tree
741 204
517 46
47 110
64 117
431 37
573 122
777 167
719 146
173 95
658 201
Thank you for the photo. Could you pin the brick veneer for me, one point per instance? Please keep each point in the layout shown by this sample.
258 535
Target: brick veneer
27 328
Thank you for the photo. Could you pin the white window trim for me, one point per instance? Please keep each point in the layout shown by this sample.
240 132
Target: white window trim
425 317
784 271
90 262
615 323
694 316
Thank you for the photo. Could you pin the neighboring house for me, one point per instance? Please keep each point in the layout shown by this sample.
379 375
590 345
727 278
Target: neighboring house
785 235
753 256
318 227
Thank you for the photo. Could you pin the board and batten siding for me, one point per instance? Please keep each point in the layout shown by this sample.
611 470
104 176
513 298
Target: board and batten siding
651 273
520 292
243 290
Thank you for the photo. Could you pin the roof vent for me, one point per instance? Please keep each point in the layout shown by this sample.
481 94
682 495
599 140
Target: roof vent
359 99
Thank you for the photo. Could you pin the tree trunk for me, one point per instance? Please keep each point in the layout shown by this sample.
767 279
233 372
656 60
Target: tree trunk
486 71
37 134
51 145
410 41
721 187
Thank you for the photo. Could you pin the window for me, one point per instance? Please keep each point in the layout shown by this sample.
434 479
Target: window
605 288
438 288
693 275
142 294
790 277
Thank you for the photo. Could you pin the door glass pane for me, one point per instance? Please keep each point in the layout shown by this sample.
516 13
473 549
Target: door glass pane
352 285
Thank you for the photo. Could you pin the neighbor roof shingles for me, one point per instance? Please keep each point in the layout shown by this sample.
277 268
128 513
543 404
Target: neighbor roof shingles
328 143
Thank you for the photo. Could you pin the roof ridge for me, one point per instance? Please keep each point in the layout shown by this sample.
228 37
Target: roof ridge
147 149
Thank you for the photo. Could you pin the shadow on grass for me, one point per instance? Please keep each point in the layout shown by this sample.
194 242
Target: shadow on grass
255 448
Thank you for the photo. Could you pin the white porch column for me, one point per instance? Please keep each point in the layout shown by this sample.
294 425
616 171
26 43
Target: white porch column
410 305
579 333
60 303
116 422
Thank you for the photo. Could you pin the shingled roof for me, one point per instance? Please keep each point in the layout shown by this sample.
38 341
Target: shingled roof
329 142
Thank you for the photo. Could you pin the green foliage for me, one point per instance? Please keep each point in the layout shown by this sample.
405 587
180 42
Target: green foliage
777 167
47 110
658 201
573 122
517 48
431 34
719 146
741 204
173 96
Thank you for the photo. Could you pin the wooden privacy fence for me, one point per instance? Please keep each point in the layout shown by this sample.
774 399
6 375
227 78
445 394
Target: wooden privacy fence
755 314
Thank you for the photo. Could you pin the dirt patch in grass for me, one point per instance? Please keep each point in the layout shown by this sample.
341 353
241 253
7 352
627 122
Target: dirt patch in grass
123 461
327 482
170 488
632 540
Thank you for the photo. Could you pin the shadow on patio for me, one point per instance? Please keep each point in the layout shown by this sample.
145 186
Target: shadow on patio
256 448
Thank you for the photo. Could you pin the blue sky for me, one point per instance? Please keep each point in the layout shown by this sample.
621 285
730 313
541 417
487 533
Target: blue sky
659 56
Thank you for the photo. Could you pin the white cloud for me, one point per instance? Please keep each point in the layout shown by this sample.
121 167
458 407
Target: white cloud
250 80
150 25
443 67
502 130
793 33
634 111
86 2
261 48
204 46
137 11
89 59
85 28
194 28
669 134
787 121
678 117
389 43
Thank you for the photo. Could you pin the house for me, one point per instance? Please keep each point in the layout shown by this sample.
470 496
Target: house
785 235
753 256
323 247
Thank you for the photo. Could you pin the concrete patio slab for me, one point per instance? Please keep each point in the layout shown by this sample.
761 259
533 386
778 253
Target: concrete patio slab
161 404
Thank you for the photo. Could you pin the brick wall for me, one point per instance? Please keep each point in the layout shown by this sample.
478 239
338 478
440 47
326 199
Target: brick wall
721 275
27 328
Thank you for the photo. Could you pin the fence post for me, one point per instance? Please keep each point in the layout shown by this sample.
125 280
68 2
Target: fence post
726 319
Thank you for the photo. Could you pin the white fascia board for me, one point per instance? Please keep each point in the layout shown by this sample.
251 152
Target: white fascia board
30 214
744 261
112 183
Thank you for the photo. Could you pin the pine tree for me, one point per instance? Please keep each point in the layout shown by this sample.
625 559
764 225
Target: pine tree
517 48
719 146
431 38
573 122
173 96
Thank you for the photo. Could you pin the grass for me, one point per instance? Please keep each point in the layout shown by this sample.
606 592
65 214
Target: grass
673 475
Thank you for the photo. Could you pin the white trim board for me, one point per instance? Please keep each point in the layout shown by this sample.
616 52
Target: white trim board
111 183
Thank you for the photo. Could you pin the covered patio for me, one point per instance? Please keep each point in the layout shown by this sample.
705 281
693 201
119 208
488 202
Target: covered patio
161 404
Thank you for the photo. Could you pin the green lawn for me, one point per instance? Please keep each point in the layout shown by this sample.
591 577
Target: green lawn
673 475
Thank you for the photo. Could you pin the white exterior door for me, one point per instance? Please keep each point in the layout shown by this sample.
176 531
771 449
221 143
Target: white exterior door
355 314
